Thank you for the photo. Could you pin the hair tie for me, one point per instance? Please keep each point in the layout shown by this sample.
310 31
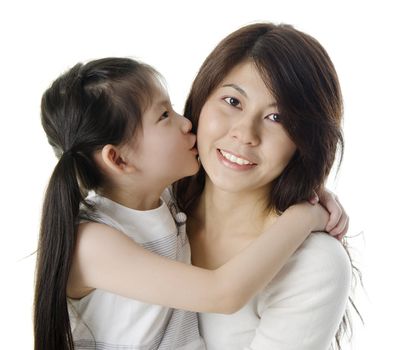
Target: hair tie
68 153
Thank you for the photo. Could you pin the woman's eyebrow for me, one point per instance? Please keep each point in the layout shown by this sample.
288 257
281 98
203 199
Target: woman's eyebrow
237 88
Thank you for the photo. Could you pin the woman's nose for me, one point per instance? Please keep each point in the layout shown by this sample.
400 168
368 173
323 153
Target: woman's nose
245 131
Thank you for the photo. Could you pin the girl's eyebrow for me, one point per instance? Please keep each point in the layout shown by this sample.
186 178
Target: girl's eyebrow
237 88
162 102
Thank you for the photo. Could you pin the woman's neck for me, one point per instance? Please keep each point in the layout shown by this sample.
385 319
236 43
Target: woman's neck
220 213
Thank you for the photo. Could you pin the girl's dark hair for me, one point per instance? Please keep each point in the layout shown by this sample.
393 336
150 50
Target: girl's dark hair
91 105
300 75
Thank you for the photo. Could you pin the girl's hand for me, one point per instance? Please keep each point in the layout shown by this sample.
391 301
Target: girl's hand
320 217
338 222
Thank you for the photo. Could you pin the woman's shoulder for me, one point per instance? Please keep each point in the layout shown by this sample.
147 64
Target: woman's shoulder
308 296
320 266
324 256
327 249
320 250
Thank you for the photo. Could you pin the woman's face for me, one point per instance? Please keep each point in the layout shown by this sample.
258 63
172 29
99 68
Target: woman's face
242 143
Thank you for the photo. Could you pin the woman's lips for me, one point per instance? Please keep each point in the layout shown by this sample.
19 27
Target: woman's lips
234 162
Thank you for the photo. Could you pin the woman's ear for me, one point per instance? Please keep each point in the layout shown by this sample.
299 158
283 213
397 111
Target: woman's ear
114 160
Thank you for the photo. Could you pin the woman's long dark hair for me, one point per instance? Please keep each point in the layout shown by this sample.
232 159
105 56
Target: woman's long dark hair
302 78
88 107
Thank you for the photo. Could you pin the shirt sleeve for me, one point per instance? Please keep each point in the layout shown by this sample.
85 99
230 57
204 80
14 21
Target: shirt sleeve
303 306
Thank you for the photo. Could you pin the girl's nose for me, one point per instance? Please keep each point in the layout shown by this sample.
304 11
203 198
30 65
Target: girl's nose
186 124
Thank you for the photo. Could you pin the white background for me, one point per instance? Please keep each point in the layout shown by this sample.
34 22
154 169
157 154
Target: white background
40 40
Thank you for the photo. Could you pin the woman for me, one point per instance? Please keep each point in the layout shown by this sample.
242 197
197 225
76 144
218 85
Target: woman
267 108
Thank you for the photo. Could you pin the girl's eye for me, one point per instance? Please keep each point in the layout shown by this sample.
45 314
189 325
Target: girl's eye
164 115
232 101
275 117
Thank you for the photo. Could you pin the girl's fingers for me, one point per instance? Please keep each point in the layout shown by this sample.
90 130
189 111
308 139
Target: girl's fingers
341 235
336 212
314 199
341 227
338 219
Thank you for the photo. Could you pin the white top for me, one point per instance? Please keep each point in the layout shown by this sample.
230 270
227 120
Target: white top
301 308
102 320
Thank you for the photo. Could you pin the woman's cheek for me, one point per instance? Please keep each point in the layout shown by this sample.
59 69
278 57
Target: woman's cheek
212 121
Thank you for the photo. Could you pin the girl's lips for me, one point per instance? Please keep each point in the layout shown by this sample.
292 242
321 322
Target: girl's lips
235 166
193 149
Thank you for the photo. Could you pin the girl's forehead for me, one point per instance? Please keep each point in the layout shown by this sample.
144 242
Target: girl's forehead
160 91
159 99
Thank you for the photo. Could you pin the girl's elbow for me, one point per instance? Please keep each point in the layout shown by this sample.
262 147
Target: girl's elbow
225 297
230 301
233 306
226 306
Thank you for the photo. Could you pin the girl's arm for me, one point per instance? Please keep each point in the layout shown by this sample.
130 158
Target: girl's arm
302 307
107 259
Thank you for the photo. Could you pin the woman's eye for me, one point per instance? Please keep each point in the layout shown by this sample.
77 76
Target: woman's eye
232 101
275 117
164 115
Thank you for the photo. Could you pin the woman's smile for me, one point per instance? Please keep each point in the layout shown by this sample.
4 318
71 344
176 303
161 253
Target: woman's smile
233 161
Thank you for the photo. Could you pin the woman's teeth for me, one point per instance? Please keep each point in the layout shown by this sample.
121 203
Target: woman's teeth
234 159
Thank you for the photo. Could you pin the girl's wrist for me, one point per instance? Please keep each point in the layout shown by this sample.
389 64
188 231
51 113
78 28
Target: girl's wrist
303 214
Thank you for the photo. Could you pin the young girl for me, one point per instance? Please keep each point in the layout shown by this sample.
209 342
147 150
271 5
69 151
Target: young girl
111 124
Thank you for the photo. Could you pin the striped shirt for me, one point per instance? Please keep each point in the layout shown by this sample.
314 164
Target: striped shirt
107 321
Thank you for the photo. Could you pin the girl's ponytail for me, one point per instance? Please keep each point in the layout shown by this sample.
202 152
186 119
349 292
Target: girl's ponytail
86 108
56 247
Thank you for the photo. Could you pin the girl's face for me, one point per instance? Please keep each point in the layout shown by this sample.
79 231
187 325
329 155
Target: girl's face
242 143
164 150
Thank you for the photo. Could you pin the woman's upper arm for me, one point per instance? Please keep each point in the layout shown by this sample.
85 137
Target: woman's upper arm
107 259
303 306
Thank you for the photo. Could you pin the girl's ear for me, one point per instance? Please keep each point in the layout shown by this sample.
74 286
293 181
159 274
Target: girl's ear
114 160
